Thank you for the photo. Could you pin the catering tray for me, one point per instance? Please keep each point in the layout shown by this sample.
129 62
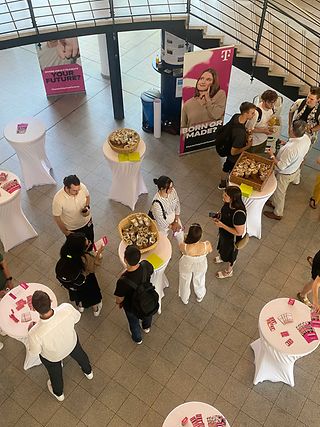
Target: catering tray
253 180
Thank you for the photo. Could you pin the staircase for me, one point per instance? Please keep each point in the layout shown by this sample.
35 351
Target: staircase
278 44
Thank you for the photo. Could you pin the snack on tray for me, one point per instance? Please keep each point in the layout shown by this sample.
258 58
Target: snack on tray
140 230
124 139
3 176
251 167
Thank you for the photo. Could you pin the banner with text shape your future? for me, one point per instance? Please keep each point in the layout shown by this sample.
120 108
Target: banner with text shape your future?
61 66
206 76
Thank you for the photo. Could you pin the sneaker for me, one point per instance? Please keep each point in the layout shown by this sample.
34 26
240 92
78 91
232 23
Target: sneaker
146 330
222 185
97 312
89 376
1 345
80 308
200 299
138 342
305 300
60 398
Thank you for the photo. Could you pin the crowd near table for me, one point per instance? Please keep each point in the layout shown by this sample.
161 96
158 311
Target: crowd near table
30 149
254 206
163 252
188 410
14 226
21 296
127 181
280 345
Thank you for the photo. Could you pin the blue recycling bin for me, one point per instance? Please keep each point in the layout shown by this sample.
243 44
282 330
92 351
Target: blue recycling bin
147 108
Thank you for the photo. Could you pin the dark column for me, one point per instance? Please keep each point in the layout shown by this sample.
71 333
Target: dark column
115 75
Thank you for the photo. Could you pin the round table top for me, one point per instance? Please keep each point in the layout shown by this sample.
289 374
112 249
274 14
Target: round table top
163 250
112 155
35 130
300 313
7 304
267 190
4 195
191 409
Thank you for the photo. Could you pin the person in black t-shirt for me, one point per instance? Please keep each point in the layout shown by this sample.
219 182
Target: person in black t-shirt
231 222
124 291
313 285
240 140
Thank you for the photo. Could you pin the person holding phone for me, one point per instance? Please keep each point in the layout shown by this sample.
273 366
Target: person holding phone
193 264
231 223
208 102
75 259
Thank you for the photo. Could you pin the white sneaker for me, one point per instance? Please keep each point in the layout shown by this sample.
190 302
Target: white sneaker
146 330
1 345
89 376
60 398
80 308
139 342
200 299
97 312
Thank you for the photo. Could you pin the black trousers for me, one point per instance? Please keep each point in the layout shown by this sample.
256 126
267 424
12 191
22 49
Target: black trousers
55 368
87 230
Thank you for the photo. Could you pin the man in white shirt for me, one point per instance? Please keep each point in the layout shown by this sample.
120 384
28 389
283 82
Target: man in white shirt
259 124
54 338
71 208
288 162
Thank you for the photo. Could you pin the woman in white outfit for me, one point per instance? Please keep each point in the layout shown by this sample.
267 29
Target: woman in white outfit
193 264
165 208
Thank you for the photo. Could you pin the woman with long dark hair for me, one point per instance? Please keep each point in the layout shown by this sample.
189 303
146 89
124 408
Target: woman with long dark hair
75 260
208 102
193 264
165 208
231 222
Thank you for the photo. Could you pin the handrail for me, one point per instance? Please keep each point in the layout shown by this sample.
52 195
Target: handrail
251 25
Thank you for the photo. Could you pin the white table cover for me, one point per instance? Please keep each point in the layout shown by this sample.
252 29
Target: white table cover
14 226
19 331
30 149
190 409
127 181
158 278
254 205
274 360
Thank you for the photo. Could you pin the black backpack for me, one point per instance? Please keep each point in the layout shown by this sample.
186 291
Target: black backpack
162 208
223 141
68 276
145 299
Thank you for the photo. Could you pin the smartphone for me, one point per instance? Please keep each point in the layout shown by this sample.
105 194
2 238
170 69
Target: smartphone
101 242
213 214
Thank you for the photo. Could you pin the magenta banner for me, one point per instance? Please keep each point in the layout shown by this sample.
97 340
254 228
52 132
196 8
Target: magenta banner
206 76
61 66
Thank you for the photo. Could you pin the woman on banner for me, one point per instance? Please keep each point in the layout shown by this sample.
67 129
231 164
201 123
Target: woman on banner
208 102
231 223
193 264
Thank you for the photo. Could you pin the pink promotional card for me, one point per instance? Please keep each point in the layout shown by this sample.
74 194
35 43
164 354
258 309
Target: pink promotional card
285 334
315 319
24 285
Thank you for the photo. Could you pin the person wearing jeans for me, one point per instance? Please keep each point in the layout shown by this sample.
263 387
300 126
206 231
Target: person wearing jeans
53 338
124 291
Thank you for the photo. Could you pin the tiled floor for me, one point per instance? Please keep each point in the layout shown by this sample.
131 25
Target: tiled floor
194 352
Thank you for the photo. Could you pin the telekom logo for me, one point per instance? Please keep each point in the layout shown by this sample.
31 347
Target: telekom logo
225 54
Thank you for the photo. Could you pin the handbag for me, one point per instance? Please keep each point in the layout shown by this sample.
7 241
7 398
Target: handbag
241 243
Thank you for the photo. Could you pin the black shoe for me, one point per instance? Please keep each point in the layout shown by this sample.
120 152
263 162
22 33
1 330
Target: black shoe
222 185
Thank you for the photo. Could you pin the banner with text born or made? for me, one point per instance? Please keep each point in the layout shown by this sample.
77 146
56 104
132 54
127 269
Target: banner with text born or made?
206 76
61 66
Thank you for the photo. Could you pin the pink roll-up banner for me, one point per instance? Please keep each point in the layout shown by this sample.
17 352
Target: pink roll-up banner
206 76
61 66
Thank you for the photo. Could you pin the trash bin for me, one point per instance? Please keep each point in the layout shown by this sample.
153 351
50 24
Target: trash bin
147 108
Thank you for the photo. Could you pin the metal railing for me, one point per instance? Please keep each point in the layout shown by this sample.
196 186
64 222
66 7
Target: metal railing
279 34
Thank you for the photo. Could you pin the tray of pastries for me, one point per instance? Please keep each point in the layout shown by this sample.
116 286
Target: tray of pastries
140 230
124 140
252 170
